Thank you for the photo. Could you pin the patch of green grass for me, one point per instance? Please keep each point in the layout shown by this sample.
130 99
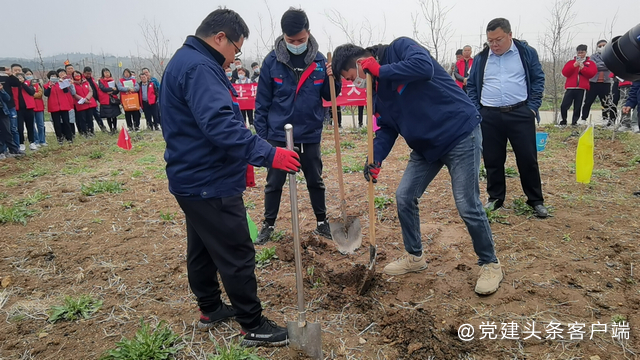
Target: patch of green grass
127 204
234 351
276 236
566 237
483 172
250 205
97 154
328 151
495 217
603 173
34 198
352 165
147 159
12 183
634 161
617 318
75 170
158 344
347 145
73 309
520 207
300 178
510 172
167 216
3 195
137 173
34 173
382 202
15 214
162 175
101 186
264 256
115 172
97 221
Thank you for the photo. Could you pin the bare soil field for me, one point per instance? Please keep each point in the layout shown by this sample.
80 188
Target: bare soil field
99 221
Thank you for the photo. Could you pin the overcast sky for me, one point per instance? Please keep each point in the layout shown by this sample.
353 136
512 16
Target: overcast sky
113 26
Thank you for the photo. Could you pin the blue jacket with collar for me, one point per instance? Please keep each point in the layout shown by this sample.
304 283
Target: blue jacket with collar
634 95
208 145
5 98
415 97
282 99
532 69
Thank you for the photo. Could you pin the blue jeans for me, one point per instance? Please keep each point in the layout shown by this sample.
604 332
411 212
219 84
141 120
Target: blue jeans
13 115
41 135
463 162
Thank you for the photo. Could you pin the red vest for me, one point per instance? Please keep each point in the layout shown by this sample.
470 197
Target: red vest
122 83
103 97
460 70
39 102
151 93
83 90
58 100
28 99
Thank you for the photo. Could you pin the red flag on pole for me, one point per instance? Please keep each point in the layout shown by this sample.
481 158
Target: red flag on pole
124 141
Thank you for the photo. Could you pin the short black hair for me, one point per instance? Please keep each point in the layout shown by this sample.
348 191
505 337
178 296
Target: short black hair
243 70
26 70
66 66
126 70
51 73
77 72
601 41
254 64
294 21
103 70
501 23
344 58
237 59
459 52
14 65
87 69
145 68
60 70
225 20
582 47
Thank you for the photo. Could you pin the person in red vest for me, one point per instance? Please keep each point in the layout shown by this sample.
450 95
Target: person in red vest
578 71
58 105
25 103
84 103
38 111
463 68
88 75
109 102
132 117
148 95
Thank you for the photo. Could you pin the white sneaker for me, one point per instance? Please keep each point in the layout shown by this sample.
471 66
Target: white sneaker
44 144
635 128
33 147
38 146
22 147
3 156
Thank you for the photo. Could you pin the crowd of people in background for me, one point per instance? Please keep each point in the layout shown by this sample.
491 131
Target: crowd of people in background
73 100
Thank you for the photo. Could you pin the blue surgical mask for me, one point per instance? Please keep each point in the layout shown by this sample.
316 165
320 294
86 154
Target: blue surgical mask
241 77
53 79
358 81
256 70
297 49
229 74
29 77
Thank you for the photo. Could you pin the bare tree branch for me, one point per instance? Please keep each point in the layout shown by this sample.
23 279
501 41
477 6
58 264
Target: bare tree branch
361 34
438 28
156 44
43 69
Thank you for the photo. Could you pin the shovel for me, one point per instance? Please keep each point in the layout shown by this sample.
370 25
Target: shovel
371 270
303 335
348 234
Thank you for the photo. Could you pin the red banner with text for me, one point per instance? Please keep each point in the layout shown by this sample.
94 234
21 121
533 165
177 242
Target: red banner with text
350 96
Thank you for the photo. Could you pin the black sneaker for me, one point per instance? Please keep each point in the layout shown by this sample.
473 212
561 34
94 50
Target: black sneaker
20 153
267 334
265 234
323 229
208 320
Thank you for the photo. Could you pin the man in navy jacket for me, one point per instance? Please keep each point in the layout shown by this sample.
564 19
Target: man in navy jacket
417 99
294 79
208 150
506 85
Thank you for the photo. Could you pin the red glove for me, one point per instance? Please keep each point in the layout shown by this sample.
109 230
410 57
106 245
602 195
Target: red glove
371 66
372 170
286 160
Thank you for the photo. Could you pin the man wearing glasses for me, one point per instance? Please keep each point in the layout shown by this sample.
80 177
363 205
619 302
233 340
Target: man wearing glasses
601 88
506 85
207 151
294 79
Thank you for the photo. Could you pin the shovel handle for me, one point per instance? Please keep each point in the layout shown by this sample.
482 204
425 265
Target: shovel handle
288 129
336 137
372 211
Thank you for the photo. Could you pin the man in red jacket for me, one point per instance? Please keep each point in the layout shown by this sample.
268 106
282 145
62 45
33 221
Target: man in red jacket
578 71
463 68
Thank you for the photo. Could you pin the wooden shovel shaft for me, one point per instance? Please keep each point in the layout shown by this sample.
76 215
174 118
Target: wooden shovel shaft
336 136
372 211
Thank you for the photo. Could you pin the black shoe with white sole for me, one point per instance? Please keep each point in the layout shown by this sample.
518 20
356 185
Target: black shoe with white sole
268 333
208 320
323 229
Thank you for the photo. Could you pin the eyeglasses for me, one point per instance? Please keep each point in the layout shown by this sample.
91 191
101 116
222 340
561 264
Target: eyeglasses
238 51
496 41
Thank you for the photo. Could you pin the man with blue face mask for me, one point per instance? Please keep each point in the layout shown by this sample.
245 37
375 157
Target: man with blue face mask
294 79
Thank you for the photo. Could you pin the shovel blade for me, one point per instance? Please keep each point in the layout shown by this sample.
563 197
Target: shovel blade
307 339
369 276
348 237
